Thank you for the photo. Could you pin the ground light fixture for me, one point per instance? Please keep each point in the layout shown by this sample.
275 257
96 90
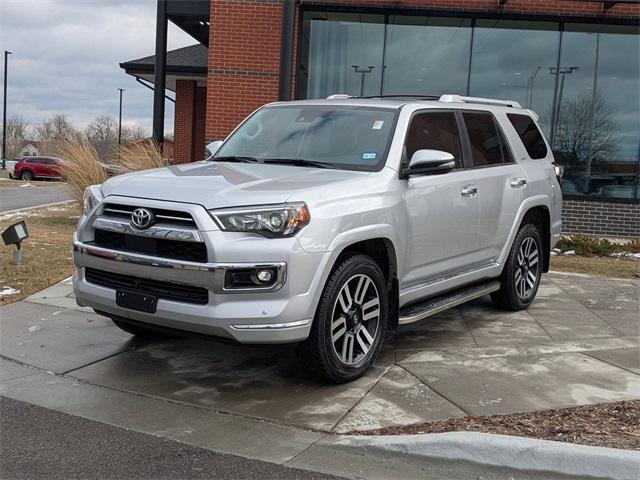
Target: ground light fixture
14 235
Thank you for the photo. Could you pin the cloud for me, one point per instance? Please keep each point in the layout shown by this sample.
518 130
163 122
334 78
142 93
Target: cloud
66 55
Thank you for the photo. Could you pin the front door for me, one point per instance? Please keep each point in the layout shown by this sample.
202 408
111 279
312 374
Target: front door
441 209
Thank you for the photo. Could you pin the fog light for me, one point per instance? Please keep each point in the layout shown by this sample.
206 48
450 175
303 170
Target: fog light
264 276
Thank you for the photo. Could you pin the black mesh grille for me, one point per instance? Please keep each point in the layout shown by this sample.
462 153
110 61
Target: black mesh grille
158 247
166 290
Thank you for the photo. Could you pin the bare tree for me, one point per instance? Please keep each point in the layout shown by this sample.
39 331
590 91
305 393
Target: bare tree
53 132
102 134
586 130
18 131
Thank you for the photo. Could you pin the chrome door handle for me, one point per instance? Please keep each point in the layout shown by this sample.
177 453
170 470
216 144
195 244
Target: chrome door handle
469 191
518 182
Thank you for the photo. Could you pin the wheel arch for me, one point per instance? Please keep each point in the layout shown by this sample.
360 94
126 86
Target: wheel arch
541 218
383 251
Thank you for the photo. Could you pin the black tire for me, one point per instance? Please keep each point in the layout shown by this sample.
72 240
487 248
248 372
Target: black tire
135 329
26 175
518 288
319 353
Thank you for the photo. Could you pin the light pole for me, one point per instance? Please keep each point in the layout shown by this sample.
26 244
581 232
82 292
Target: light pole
120 118
4 110
557 104
362 72
532 77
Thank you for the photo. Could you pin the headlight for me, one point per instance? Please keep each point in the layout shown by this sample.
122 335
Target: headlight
270 221
92 196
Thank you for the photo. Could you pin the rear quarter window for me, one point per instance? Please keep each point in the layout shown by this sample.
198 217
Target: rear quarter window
529 134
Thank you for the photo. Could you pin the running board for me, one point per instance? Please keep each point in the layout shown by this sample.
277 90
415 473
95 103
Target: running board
418 311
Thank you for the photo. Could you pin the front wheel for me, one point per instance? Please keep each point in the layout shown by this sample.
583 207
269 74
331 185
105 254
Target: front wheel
26 175
522 273
350 322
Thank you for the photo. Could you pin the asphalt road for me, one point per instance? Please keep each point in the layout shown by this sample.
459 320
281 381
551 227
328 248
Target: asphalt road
38 443
12 198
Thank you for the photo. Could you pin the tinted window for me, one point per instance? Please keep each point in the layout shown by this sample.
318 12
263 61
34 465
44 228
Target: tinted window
34 160
529 134
434 131
484 138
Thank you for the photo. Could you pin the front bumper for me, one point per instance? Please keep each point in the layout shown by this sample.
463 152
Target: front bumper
280 314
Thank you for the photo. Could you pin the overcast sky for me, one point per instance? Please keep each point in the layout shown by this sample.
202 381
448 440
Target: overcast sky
66 55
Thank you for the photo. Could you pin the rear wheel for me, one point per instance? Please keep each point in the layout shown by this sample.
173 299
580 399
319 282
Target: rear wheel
522 273
350 322
26 175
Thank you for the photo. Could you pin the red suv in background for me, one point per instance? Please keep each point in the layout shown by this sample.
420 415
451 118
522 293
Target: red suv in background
29 168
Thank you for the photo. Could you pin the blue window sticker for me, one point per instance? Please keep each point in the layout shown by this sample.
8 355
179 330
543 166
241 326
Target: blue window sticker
369 155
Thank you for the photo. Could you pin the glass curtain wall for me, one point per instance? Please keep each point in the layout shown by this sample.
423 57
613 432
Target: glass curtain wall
582 79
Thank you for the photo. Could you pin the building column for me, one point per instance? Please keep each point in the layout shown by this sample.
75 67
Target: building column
184 121
160 72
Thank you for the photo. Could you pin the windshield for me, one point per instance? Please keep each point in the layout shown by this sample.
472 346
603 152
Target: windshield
313 135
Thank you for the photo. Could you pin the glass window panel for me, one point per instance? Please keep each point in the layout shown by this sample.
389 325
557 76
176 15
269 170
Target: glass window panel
426 55
434 131
529 134
510 61
484 138
344 52
597 131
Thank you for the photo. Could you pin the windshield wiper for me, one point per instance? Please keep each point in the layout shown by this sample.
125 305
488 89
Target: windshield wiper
235 159
300 162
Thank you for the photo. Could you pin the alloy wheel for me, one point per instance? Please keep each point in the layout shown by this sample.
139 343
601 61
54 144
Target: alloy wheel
355 319
527 267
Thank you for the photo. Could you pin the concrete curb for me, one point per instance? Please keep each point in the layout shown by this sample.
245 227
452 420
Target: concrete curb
518 453
34 207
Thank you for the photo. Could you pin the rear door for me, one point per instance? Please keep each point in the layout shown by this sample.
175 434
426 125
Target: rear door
441 209
47 167
500 181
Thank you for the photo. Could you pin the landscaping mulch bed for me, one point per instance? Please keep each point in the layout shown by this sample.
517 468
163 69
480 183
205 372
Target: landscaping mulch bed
615 425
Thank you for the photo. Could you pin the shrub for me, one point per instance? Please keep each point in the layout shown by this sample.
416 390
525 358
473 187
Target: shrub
82 167
141 155
586 245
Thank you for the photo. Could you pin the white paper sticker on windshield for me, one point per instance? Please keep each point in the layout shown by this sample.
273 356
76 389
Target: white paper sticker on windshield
369 155
377 125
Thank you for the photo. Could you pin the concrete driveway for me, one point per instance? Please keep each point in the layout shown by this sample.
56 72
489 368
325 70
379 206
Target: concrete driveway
578 344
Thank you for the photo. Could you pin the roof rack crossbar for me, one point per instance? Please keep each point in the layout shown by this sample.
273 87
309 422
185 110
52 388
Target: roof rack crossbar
485 101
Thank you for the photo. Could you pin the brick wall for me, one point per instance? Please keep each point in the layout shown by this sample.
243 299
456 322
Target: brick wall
189 122
606 219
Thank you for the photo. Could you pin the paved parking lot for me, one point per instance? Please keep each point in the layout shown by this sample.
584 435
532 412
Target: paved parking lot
578 344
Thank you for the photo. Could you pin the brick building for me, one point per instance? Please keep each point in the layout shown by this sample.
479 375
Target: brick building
575 62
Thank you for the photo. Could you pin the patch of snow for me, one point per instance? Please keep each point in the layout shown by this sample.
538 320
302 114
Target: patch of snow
34 328
6 291
570 252
26 185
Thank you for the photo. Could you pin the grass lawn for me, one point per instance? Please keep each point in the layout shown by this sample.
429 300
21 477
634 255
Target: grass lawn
601 266
47 253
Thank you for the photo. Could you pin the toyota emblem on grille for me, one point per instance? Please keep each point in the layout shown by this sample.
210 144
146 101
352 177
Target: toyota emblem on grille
141 218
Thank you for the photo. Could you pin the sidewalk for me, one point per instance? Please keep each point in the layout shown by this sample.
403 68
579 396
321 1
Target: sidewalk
579 344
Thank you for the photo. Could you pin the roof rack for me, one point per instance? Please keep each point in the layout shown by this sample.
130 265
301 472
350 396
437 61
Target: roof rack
338 96
342 96
484 101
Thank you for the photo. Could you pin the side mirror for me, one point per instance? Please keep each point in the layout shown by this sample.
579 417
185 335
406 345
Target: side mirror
213 147
430 162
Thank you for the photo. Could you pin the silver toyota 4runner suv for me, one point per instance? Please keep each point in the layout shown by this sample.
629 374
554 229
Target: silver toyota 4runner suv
328 223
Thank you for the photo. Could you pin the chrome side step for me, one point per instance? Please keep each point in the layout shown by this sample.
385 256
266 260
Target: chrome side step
418 311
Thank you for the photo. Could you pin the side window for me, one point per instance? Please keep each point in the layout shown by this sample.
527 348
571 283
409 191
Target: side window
485 140
529 134
434 131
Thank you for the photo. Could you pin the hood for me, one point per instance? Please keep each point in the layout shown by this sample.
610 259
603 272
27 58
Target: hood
219 185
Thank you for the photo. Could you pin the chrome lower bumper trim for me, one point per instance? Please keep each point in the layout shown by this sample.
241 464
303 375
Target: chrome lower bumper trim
207 275
272 326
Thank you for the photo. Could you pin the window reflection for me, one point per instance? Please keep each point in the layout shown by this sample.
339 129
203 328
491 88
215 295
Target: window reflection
587 95
511 60
426 55
597 133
